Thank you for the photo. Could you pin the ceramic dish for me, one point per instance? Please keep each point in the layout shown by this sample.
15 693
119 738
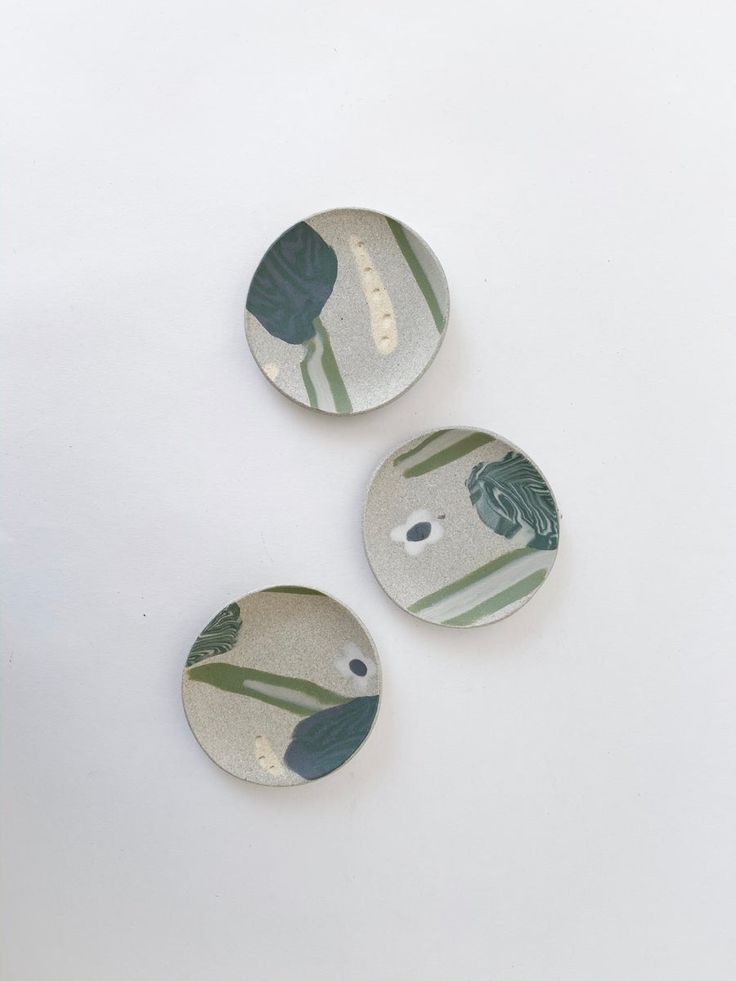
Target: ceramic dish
460 527
282 686
346 310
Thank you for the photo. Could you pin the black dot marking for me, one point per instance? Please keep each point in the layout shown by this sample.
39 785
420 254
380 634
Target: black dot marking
419 531
358 667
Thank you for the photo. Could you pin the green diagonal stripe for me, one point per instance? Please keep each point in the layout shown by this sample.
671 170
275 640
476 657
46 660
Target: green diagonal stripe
324 363
420 446
309 354
332 372
454 452
494 603
469 579
235 679
418 272
282 703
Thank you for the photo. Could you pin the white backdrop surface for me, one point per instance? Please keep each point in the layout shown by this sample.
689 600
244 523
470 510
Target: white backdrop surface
550 798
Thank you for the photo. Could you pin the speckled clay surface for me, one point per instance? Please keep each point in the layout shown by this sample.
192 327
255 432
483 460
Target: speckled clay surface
346 310
282 686
460 527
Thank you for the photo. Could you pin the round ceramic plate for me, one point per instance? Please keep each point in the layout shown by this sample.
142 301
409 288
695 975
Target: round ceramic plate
282 686
346 310
460 527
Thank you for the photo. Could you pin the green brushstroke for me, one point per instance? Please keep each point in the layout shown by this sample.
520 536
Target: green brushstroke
299 590
327 364
463 446
425 442
306 697
468 580
332 372
418 272
494 603
310 349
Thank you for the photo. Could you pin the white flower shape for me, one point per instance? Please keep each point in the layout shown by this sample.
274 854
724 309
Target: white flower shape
419 530
358 667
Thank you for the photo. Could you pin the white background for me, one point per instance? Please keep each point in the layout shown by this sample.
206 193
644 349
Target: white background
547 799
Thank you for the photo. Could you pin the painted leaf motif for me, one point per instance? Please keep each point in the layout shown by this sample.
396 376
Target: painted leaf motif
323 742
511 493
218 636
292 284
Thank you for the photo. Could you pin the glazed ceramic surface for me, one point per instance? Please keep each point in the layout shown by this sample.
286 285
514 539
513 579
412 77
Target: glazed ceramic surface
346 310
282 686
460 527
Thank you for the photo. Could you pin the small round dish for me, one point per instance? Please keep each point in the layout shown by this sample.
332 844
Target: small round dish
346 310
460 527
282 686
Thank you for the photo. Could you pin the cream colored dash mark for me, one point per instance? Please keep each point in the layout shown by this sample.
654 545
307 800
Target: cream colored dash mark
271 370
266 757
383 320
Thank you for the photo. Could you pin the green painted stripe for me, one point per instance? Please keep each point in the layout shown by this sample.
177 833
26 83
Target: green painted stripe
332 372
233 678
468 580
310 350
233 673
282 703
425 442
494 603
418 272
464 446
300 590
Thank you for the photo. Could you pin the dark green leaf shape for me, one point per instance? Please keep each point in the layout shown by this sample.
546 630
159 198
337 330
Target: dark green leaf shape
292 283
218 636
323 742
512 491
